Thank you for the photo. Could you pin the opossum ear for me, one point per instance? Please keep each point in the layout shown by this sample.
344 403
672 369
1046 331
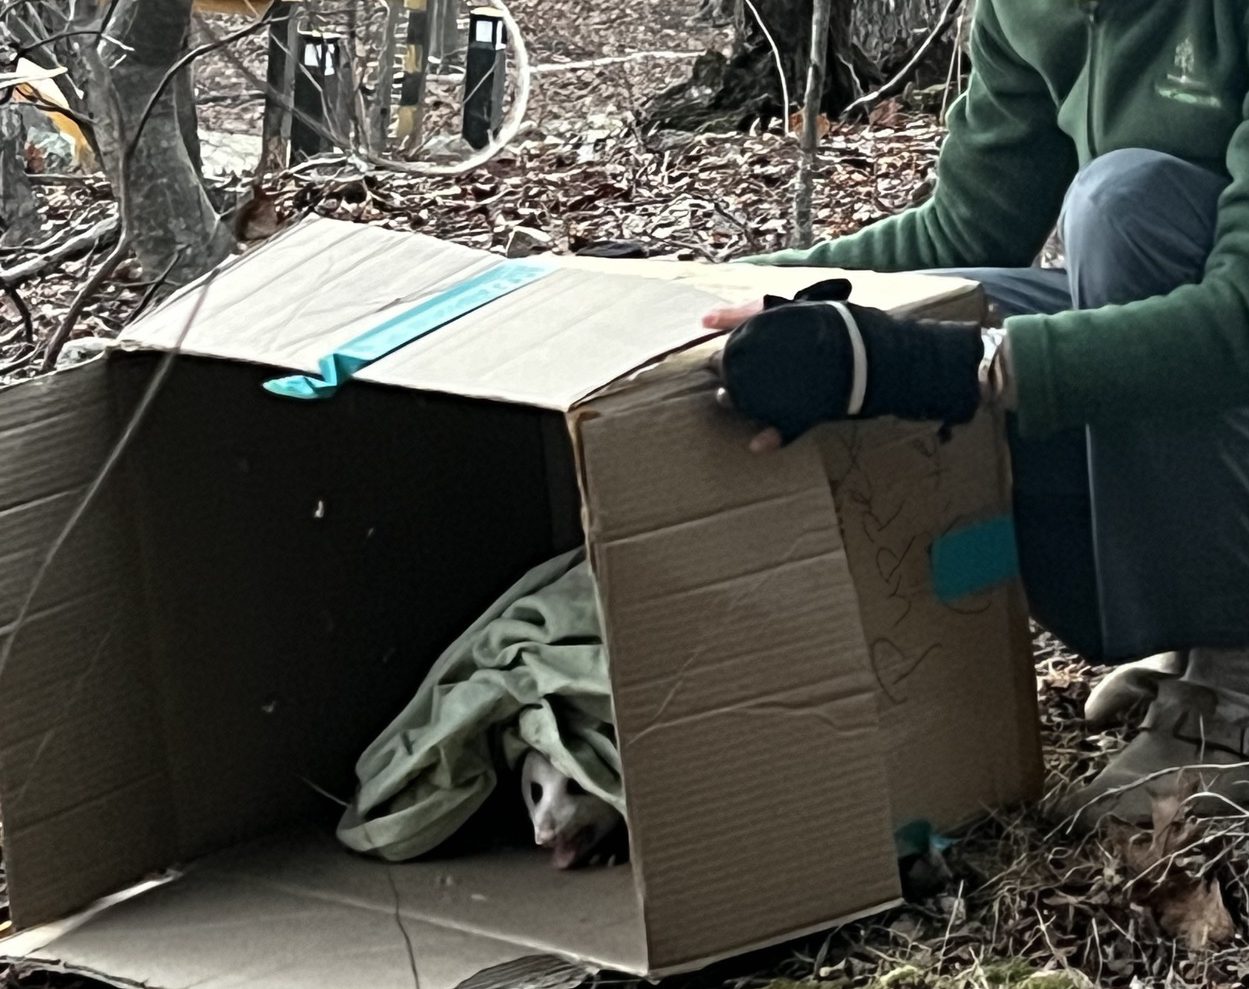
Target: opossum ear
530 786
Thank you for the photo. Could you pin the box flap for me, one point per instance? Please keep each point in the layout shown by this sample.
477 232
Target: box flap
955 678
753 766
294 912
83 782
301 297
902 293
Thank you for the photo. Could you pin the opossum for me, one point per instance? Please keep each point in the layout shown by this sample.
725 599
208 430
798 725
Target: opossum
579 827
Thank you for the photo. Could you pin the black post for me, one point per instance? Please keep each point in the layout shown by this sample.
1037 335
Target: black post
317 81
279 86
485 71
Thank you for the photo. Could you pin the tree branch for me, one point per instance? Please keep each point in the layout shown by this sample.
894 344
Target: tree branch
820 15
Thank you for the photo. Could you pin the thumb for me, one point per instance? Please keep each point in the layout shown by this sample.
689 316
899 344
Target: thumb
728 317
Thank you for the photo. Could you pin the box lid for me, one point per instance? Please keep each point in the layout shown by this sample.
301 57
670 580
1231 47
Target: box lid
325 283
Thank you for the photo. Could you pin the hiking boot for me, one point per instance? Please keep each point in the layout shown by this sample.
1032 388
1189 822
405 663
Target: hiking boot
1126 687
1188 724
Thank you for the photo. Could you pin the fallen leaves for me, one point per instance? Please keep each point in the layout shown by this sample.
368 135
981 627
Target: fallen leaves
1169 873
712 196
822 124
1193 910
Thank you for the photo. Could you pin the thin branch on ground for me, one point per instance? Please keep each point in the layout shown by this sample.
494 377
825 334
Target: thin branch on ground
56 341
50 257
27 326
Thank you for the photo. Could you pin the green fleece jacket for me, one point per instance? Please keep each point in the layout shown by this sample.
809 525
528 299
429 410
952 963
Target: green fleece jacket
1054 84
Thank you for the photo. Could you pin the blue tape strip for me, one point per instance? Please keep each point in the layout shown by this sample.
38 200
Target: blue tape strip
974 558
398 331
919 838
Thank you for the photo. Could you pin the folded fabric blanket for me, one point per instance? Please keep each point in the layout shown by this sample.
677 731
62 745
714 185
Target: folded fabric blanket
531 672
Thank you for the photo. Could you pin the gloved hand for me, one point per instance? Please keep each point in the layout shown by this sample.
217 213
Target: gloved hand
795 364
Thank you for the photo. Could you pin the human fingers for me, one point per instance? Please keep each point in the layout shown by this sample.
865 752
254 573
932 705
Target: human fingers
768 441
729 317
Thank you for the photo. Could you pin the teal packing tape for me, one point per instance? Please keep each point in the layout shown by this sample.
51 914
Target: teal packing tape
398 331
974 558
919 838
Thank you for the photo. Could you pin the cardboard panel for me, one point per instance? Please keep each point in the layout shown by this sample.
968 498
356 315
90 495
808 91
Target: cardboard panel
295 911
594 328
955 680
745 709
902 293
324 282
308 561
83 786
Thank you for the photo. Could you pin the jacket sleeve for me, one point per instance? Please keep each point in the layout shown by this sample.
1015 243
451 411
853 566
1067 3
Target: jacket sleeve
1185 352
1001 176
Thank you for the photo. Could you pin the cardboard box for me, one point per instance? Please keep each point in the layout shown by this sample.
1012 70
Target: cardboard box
260 582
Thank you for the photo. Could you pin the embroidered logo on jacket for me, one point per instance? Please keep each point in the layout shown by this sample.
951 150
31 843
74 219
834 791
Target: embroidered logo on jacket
1182 83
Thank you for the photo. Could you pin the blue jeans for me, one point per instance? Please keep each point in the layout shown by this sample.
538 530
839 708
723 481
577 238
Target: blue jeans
1132 540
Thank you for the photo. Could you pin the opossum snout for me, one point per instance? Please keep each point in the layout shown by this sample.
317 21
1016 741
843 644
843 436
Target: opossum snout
565 817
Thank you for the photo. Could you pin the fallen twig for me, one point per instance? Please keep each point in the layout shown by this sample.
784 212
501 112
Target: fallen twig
16 365
57 340
23 311
1204 767
101 232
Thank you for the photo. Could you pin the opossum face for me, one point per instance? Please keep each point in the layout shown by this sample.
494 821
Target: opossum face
565 817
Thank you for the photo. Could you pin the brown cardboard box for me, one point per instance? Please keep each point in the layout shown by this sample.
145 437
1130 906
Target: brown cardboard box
260 582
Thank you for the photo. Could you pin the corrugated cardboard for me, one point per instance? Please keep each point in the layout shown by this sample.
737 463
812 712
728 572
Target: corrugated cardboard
264 581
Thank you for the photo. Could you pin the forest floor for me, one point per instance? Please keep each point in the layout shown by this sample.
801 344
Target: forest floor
1027 904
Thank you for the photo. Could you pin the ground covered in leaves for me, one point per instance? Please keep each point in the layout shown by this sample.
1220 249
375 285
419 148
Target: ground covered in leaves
1026 903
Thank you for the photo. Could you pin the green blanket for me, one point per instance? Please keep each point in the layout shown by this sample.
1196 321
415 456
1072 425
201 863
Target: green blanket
531 672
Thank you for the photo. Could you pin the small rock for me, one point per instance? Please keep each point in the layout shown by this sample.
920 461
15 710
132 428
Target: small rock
524 241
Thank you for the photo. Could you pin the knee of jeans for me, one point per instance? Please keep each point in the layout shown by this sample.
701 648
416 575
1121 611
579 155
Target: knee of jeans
1110 198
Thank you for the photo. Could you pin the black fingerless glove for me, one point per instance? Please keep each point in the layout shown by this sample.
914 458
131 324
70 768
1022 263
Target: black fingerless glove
803 362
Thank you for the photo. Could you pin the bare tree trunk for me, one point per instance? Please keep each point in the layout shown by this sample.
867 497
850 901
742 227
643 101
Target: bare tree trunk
733 93
19 210
132 96
188 119
868 42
